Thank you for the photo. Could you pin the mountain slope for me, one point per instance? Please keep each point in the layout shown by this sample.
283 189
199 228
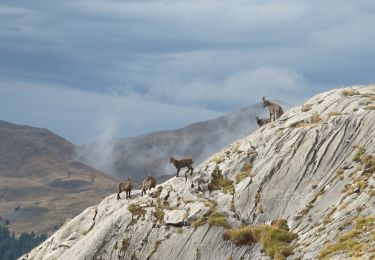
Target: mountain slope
39 179
149 154
314 167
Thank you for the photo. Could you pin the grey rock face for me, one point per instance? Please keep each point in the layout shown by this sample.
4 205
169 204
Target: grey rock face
302 171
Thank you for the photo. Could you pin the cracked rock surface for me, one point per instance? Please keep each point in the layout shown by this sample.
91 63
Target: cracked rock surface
309 167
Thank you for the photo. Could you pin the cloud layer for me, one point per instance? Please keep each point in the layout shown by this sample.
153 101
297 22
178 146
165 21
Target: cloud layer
210 55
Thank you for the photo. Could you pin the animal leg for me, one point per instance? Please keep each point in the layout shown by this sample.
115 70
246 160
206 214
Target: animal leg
118 195
129 194
185 176
191 173
178 171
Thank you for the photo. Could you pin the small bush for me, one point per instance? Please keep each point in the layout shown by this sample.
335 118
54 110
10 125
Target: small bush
218 158
199 222
218 182
275 239
350 93
136 210
315 119
306 107
159 215
339 172
218 219
357 156
125 244
348 242
246 235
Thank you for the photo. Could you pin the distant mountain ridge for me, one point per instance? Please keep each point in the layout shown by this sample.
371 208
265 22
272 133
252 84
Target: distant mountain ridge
40 179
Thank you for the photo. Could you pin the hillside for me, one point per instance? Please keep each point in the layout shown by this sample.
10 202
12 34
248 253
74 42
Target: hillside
149 154
40 180
302 185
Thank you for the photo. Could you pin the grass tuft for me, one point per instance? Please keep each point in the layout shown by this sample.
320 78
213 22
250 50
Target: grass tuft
349 93
275 239
218 182
136 210
218 219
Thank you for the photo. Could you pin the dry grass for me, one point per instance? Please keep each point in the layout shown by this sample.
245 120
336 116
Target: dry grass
314 119
218 219
136 210
306 107
331 114
159 215
219 158
350 242
275 239
349 93
218 182
339 172
125 244
245 172
357 156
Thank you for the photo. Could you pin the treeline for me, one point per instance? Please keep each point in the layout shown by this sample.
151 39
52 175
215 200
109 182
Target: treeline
11 247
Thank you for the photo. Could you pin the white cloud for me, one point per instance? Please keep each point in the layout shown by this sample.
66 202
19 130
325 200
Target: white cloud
76 114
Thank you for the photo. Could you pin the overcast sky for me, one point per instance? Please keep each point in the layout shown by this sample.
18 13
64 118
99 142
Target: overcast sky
77 67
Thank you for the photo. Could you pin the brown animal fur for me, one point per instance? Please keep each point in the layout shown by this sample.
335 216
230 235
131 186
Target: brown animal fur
275 110
148 183
262 121
124 186
181 163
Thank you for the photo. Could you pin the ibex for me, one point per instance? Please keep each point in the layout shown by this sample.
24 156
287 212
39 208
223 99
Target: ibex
124 186
148 183
275 110
185 162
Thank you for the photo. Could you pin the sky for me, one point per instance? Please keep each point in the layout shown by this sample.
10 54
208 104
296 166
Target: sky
84 69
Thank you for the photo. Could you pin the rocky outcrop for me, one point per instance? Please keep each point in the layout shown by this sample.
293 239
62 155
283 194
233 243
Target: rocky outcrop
314 167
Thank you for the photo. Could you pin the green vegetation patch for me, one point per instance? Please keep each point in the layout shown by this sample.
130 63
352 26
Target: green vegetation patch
12 247
211 204
349 93
359 152
218 219
159 215
331 114
218 182
125 244
349 242
245 172
275 239
136 210
306 107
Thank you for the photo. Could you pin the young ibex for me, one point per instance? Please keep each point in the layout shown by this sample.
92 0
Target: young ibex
262 121
124 186
148 183
275 110
185 162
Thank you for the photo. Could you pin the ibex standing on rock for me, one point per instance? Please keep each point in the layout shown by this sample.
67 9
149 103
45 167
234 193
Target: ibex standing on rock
275 110
124 186
185 162
147 184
